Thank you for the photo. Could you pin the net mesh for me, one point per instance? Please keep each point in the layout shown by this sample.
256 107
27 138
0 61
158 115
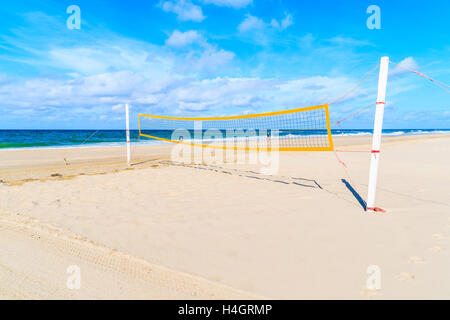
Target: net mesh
304 129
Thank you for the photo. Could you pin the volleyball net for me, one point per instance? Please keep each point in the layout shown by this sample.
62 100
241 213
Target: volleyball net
302 129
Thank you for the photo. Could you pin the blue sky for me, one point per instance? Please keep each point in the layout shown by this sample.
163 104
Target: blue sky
218 57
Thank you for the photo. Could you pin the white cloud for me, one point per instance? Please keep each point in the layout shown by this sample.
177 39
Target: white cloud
408 63
204 60
250 23
118 107
211 59
114 84
254 23
274 23
105 74
105 94
285 22
182 39
184 9
237 4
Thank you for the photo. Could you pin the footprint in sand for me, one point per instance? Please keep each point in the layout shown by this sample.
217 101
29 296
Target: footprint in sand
215 278
437 249
416 260
405 276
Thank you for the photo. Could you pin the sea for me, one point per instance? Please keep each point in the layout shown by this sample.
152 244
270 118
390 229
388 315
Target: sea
18 139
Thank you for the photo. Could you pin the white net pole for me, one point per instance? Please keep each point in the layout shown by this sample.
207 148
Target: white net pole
376 140
127 117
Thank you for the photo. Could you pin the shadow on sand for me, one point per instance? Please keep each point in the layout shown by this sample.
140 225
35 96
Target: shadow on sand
355 194
302 182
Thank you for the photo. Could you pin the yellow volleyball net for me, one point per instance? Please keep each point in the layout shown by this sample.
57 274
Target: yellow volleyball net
302 129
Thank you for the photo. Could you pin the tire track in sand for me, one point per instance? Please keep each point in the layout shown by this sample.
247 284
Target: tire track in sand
34 258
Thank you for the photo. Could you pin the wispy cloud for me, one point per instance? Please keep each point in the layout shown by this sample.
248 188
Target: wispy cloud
254 23
345 41
285 22
307 40
408 63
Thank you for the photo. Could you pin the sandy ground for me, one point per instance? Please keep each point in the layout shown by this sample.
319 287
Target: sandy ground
34 256
226 230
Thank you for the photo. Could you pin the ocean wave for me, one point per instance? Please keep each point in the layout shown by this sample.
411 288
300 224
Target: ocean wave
355 134
20 139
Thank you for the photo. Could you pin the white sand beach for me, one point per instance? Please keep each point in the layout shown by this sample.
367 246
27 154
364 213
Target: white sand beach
159 229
